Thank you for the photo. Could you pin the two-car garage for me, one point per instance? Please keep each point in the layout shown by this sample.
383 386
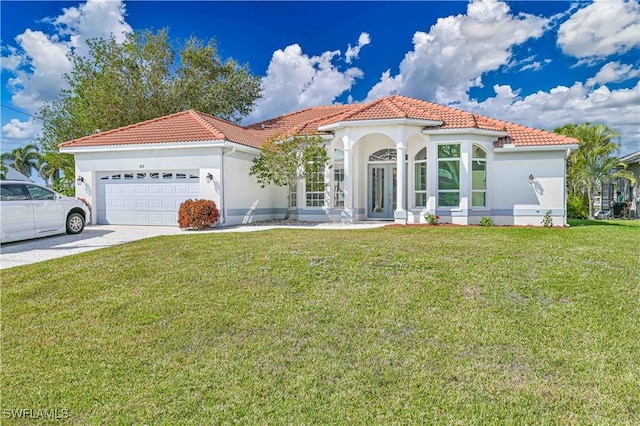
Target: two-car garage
143 197
141 174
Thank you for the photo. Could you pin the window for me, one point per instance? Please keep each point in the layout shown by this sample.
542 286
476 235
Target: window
449 175
294 195
38 193
338 178
314 187
478 177
13 192
384 155
420 178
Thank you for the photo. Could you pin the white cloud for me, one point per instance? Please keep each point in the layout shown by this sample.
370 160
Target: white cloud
16 129
38 61
613 72
619 109
536 66
600 29
354 52
38 79
451 58
95 18
295 80
531 64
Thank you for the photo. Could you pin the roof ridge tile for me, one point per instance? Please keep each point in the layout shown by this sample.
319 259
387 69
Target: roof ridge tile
211 128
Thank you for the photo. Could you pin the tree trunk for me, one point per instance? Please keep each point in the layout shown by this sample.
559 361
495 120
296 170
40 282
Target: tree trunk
590 194
286 215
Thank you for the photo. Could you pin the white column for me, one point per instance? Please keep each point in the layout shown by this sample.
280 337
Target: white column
347 212
400 214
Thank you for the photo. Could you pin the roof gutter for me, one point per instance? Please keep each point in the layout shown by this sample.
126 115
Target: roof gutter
466 131
224 180
381 122
160 145
512 148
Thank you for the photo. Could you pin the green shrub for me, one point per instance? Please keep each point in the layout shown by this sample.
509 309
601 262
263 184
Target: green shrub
432 219
64 186
577 206
197 214
486 221
547 220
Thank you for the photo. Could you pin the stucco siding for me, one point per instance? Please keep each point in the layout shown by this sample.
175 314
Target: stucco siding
516 200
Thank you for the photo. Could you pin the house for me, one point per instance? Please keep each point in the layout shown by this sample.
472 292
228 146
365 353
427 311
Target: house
13 174
394 158
632 193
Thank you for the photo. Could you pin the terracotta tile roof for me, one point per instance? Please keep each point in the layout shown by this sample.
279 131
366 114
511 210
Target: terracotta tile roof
306 122
191 125
185 126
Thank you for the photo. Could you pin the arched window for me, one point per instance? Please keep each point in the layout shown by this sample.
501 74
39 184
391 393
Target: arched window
384 155
420 178
478 177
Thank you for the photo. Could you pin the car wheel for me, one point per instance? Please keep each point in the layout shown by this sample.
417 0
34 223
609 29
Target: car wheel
75 223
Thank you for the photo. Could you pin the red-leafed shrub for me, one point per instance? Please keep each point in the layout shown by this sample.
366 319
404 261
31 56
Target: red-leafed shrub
197 214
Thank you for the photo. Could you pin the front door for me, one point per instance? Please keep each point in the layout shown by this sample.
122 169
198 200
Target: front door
382 198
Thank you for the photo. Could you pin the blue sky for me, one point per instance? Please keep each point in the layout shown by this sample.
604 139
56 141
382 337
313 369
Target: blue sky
541 64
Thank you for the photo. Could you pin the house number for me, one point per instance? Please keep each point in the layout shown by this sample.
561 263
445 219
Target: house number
141 166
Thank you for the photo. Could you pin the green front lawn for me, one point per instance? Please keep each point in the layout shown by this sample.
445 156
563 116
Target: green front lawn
428 325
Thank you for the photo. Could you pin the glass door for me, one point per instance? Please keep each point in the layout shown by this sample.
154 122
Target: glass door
382 186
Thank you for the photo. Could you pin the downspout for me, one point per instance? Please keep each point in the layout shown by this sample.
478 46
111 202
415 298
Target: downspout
223 211
566 190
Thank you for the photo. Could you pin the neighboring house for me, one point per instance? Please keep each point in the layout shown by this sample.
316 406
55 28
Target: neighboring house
13 174
395 158
632 193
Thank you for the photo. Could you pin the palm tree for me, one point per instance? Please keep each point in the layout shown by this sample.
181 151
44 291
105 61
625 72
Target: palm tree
593 162
23 159
46 170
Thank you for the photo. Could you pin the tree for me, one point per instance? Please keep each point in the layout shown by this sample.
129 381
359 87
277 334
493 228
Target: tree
47 171
23 159
593 162
286 161
143 78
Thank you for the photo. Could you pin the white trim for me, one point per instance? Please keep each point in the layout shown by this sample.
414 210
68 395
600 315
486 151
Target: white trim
160 145
507 149
465 131
382 122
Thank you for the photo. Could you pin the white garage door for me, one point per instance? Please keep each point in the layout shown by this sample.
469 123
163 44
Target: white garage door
144 198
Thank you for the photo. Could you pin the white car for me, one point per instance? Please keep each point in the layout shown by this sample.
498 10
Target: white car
29 210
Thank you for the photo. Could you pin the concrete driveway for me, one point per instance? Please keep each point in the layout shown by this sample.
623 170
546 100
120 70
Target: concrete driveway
92 238
100 236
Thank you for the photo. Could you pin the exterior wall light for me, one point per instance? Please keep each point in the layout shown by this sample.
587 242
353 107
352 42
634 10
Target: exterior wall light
209 178
531 179
80 180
